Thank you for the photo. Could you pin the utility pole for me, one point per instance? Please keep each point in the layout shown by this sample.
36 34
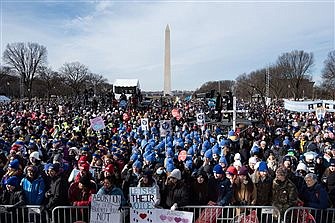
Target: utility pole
267 90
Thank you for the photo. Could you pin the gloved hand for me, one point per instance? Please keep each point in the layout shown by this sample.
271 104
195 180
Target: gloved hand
174 207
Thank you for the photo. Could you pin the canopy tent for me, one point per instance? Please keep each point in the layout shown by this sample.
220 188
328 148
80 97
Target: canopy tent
4 99
127 83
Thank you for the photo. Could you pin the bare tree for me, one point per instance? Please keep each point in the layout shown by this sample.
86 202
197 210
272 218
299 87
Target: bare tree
75 75
278 82
50 78
96 81
25 58
328 74
296 66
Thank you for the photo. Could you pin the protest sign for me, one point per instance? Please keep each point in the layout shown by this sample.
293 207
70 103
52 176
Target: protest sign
165 215
97 123
200 118
165 127
105 208
142 201
145 124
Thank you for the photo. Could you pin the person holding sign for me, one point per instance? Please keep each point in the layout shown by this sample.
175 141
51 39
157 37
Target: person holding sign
176 192
148 181
109 188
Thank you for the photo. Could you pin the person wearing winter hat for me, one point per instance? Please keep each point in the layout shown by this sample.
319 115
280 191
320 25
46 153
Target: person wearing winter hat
251 164
245 190
219 188
11 195
177 193
243 171
12 170
223 162
301 169
237 164
80 192
263 182
14 164
231 174
147 180
200 189
33 186
56 195
207 165
284 192
169 165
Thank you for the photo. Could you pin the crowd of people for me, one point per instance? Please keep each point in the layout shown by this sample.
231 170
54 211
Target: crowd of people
52 157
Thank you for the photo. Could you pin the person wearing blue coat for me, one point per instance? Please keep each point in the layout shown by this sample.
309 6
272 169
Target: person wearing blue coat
33 187
109 188
314 195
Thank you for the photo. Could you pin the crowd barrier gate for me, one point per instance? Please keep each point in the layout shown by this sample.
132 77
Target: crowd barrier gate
309 215
234 214
26 214
64 214
201 214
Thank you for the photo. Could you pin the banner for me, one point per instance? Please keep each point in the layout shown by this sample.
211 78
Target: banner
105 208
165 215
97 123
142 201
200 118
145 124
309 106
165 127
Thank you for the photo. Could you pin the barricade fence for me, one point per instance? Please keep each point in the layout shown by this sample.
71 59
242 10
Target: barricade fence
26 214
309 215
201 214
234 214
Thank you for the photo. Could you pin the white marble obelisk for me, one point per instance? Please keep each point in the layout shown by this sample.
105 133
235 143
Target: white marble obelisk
167 63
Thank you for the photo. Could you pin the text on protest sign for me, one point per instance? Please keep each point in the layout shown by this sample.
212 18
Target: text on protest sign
105 208
97 123
142 201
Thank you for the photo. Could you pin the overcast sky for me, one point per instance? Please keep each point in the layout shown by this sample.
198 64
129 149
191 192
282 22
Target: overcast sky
210 40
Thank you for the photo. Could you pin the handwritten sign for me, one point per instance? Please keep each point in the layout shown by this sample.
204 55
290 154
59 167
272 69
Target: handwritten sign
142 201
105 208
97 123
165 215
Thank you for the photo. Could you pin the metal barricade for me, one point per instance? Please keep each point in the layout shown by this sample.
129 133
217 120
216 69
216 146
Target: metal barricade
309 215
234 214
26 214
64 214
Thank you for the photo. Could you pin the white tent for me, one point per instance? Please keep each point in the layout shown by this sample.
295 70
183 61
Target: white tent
127 83
127 86
4 99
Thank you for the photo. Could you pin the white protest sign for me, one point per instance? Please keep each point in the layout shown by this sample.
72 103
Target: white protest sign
165 215
145 124
165 127
105 208
97 123
320 113
200 118
142 201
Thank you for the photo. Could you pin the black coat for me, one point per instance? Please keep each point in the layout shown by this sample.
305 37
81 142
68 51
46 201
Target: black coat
57 193
14 198
178 193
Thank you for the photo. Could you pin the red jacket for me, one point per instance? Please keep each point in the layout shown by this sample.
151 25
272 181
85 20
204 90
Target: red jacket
81 197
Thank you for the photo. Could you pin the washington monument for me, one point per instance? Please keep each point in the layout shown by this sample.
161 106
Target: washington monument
167 63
